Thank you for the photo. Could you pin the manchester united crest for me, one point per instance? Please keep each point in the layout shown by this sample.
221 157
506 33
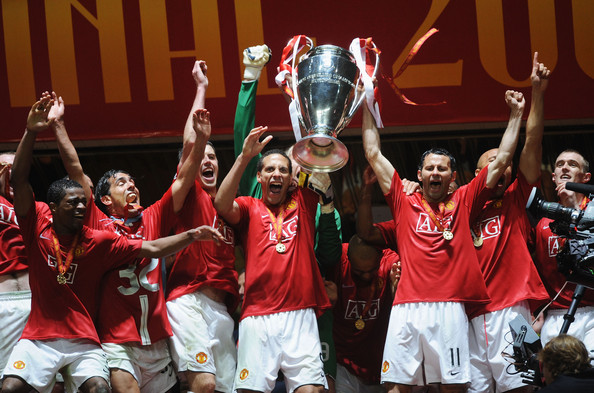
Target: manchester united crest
201 358
19 365
79 251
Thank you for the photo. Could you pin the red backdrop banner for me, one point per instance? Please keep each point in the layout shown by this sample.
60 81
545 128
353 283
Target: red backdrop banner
124 67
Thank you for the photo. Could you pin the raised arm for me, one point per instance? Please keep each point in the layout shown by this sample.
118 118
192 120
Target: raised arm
384 170
224 202
67 151
254 60
509 140
199 75
36 121
365 228
168 245
189 169
531 156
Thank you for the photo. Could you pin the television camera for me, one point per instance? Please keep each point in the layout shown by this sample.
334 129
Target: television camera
576 258
575 261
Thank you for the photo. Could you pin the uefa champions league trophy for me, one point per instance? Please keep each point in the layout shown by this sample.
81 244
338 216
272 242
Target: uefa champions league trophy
325 86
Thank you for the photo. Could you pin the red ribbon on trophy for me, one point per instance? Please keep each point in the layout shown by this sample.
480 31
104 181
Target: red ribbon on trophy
295 45
413 52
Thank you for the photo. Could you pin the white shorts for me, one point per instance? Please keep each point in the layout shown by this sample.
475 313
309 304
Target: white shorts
202 338
288 341
430 338
14 312
37 362
150 365
582 327
349 383
489 336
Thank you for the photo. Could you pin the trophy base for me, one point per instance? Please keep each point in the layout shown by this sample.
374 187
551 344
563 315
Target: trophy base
320 153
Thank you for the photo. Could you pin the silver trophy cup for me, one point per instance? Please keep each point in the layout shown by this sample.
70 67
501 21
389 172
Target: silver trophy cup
326 87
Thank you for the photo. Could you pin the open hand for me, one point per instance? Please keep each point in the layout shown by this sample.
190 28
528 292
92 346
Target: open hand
206 233
37 120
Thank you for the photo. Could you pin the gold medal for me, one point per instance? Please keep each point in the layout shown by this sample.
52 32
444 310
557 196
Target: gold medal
447 234
280 248
478 241
61 279
360 324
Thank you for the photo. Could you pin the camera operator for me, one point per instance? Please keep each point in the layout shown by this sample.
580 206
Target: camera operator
570 166
566 365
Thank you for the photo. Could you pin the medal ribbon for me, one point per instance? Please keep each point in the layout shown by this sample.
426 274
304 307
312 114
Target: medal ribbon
584 203
63 267
369 299
277 223
437 221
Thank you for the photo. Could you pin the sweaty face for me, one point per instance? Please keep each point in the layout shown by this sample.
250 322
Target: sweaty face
123 195
436 176
569 167
505 179
6 161
68 215
275 179
209 169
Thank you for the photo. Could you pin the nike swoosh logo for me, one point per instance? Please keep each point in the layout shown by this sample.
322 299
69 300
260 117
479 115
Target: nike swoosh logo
453 373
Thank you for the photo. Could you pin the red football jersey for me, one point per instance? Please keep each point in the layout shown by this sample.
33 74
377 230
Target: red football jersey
132 300
276 282
435 269
504 258
12 249
204 263
360 350
68 310
388 231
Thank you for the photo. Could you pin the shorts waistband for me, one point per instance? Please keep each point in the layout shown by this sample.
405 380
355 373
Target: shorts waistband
579 310
15 295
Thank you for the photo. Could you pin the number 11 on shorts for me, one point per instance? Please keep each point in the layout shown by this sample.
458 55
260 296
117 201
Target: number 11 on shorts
455 357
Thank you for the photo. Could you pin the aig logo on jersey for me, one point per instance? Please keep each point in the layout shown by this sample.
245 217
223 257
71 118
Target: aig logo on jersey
490 227
225 230
354 309
289 230
70 273
426 224
555 244
7 214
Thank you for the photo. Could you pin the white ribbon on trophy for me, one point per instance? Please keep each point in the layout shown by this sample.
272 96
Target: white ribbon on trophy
359 48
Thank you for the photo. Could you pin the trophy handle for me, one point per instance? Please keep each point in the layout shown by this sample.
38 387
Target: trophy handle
360 94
